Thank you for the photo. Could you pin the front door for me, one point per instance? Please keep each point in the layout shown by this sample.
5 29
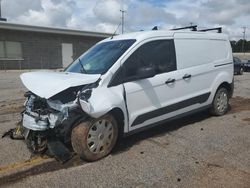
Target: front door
147 97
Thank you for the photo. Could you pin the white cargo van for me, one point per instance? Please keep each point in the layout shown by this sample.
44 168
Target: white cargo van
125 84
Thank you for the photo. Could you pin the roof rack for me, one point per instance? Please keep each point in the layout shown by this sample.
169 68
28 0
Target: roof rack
155 28
219 29
193 27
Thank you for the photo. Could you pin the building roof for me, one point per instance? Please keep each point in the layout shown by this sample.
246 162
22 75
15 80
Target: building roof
41 29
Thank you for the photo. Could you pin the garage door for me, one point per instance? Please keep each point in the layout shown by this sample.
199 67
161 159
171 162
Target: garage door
67 54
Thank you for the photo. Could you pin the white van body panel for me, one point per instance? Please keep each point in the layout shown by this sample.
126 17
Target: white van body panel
204 51
197 54
206 57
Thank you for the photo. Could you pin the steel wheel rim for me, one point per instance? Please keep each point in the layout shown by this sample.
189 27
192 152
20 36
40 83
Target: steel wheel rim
222 101
100 136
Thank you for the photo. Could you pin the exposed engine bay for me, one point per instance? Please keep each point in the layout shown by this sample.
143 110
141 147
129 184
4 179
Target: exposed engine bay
59 102
46 124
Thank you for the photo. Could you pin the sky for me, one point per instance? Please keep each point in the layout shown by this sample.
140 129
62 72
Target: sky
105 15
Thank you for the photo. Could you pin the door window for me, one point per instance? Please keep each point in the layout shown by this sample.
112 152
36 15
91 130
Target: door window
158 54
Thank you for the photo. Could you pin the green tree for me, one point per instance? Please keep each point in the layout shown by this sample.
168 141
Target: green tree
237 45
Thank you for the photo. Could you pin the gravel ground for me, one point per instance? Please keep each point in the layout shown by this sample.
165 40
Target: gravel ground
195 151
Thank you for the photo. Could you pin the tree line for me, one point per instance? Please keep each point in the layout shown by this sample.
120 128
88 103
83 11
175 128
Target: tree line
237 46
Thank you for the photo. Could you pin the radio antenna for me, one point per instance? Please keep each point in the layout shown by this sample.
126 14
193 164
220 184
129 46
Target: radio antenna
115 31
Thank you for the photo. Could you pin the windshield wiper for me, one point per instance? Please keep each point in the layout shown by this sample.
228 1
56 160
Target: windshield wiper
82 67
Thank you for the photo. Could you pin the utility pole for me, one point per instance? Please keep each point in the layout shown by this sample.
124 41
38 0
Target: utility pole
244 38
1 19
123 12
0 8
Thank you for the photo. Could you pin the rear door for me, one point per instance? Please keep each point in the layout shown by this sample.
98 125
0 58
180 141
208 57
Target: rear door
195 65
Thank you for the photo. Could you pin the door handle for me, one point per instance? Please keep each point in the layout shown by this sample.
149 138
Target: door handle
186 76
170 80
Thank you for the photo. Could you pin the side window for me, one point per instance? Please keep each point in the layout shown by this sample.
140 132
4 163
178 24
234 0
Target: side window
158 54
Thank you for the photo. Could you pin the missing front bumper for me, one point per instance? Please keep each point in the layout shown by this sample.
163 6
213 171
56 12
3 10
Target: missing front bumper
34 124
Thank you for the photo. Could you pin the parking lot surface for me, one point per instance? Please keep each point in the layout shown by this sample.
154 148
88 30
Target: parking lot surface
195 151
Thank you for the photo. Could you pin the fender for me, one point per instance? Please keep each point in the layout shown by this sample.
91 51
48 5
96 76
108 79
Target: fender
225 76
103 100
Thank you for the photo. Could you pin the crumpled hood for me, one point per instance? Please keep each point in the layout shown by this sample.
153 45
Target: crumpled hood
48 84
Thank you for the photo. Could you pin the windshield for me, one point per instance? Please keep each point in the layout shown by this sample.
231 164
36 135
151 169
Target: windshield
99 58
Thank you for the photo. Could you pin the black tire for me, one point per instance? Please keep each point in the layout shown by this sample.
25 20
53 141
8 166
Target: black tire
82 134
220 102
241 71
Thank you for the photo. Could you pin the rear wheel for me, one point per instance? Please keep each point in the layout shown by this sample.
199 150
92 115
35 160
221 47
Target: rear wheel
96 138
220 102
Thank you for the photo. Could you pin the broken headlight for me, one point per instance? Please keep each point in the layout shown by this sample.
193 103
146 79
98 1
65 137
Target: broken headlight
85 95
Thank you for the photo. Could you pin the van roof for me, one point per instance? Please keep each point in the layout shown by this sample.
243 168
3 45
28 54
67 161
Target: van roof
142 35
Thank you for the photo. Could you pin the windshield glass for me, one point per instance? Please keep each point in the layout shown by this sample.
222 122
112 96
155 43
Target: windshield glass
99 58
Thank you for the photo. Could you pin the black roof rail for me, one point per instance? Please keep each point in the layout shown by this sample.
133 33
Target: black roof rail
193 27
219 29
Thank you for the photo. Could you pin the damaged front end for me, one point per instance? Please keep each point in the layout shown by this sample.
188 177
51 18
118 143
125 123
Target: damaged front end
47 123
52 109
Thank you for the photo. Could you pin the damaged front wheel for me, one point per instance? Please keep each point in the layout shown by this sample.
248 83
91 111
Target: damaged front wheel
96 138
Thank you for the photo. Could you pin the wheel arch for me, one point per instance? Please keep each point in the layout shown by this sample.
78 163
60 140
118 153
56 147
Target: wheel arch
119 116
107 100
223 79
228 86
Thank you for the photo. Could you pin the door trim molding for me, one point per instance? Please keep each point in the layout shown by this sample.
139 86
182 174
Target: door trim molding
171 108
166 121
223 64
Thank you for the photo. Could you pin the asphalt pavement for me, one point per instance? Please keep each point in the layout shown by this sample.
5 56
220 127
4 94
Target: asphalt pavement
195 151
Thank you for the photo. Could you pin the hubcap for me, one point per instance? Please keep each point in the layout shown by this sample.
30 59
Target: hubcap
100 136
222 101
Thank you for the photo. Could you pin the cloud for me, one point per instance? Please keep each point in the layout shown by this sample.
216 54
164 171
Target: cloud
108 11
105 15
144 15
51 12
13 8
228 13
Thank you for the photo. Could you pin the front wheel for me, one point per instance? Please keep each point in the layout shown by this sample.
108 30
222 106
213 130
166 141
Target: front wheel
220 102
95 139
